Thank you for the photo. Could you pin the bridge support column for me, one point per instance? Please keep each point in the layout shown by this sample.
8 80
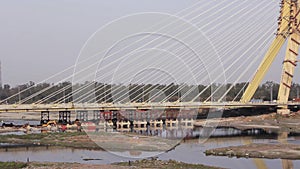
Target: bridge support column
156 124
123 126
114 119
172 124
288 29
187 123
82 115
283 111
45 117
64 117
140 125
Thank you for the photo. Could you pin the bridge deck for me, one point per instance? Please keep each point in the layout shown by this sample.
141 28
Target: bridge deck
132 106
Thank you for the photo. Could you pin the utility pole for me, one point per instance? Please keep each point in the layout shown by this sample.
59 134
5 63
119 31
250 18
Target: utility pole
297 91
270 85
19 94
271 92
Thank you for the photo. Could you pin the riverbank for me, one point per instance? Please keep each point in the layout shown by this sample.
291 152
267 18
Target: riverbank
269 151
271 123
145 163
114 141
280 125
95 141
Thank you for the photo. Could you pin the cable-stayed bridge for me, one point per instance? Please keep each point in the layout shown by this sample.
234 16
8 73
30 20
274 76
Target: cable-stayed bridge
207 43
130 106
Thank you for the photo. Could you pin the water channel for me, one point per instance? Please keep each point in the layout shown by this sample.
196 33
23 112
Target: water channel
190 151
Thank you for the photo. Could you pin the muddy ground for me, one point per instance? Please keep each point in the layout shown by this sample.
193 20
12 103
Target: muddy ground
146 163
96 141
270 151
281 125
270 122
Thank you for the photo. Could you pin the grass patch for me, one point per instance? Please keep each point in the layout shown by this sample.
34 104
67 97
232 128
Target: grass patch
12 165
42 138
158 164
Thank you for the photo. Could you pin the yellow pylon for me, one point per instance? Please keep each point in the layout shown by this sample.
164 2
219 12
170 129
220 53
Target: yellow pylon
288 29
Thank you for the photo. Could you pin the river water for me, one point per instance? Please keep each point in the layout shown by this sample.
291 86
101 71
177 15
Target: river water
191 151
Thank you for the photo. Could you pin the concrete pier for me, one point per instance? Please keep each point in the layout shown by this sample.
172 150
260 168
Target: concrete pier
64 117
172 124
156 124
109 126
187 123
45 117
123 126
140 125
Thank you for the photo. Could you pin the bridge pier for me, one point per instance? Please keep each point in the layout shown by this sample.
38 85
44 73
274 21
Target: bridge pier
109 126
45 117
64 117
283 111
140 125
82 115
114 119
156 124
123 126
187 123
172 124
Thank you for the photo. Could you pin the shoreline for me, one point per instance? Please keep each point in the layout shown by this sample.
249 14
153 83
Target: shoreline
266 151
98 141
151 163
270 123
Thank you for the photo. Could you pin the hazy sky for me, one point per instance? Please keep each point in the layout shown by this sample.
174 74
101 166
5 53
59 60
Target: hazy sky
40 38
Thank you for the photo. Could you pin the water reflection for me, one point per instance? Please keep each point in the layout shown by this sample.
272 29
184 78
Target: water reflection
173 131
190 152
282 138
261 163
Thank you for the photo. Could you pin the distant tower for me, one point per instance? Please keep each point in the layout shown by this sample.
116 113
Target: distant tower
0 75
